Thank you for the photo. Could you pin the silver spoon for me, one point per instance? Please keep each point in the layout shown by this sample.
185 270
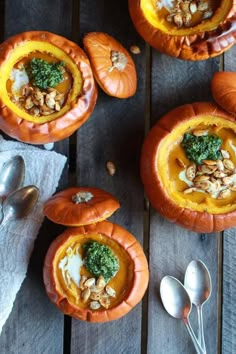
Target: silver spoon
197 281
12 175
177 303
19 204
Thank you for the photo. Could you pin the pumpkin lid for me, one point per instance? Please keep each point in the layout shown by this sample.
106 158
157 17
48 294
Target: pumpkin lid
77 263
112 65
80 206
223 86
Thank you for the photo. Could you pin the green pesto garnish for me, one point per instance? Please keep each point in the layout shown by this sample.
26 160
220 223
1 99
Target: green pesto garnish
44 74
100 260
200 148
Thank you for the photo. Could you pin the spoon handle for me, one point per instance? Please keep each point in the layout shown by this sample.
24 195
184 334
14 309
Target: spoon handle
200 328
197 346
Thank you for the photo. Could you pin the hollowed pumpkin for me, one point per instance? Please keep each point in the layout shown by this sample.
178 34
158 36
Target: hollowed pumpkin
196 40
129 283
163 161
112 65
80 206
79 91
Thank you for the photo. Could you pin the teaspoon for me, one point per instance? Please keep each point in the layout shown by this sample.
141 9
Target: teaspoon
12 175
197 282
19 204
177 303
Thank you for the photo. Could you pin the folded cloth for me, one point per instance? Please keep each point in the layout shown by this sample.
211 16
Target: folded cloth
42 169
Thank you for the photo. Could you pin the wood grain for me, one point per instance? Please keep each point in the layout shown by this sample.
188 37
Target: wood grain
176 82
114 133
229 263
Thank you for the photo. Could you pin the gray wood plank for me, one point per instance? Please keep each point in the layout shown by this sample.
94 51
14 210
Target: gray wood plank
114 132
35 325
229 262
176 82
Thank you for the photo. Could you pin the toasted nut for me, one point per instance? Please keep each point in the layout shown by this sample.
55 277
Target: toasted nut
184 6
207 14
200 132
89 282
29 103
95 296
135 49
220 165
227 181
233 187
187 17
105 302
225 154
207 169
45 111
219 174
224 194
201 178
111 168
210 162
86 294
101 282
193 7
191 172
204 185
110 291
50 101
180 162
178 20
94 305
228 164
190 190
203 6
34 111
169 18
82 280
57 107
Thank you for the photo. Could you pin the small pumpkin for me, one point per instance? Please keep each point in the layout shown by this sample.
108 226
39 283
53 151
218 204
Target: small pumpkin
186 29
80 206
35 115
112 65
199 197
223 86
78 293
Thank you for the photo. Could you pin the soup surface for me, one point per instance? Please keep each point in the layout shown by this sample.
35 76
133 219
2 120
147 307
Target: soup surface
209 186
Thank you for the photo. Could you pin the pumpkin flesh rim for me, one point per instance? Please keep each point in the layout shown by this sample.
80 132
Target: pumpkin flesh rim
140 277
221 13
22 51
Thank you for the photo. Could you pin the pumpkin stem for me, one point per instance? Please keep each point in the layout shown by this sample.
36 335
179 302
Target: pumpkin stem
81 197
118 60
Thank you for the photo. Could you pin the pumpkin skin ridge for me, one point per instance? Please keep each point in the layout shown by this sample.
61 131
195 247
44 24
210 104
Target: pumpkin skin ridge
60 208
80 110
139 281
198 46
224 90
159 199
101 62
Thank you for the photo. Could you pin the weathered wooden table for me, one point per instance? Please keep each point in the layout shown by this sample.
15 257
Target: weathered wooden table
115 132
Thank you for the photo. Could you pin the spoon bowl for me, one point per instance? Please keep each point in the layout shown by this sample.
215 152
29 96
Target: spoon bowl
19 203
197 282
12 175
177 303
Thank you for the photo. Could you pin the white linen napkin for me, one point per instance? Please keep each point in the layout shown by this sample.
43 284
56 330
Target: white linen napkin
42 169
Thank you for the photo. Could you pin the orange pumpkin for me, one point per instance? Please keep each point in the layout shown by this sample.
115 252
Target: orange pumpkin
112 65
44 121
80 206
128 285
223 87
186 31
165 170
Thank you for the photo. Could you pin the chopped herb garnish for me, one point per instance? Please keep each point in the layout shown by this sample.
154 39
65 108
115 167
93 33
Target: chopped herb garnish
100 260
44 74
204 147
